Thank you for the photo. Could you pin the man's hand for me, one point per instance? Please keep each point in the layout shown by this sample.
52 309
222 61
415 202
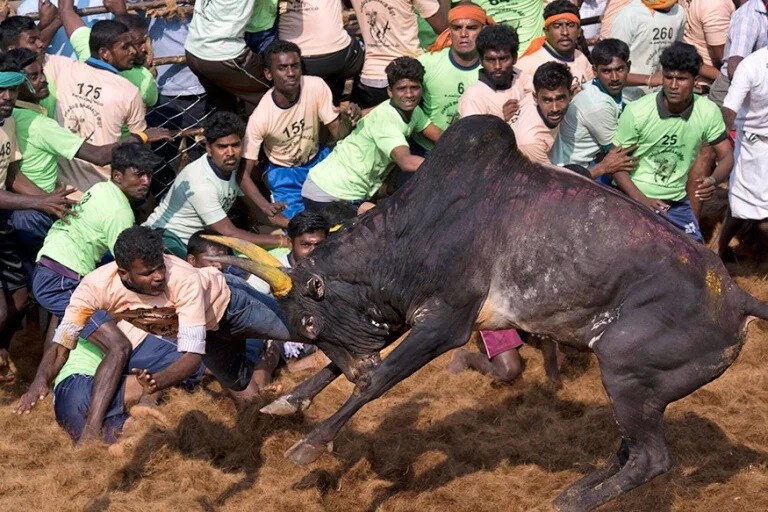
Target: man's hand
656 205
116 6
353 113
145 379
509 109
273 209
37 391
47 12
618 159
56 203
158 134
655 80
705 188
575 88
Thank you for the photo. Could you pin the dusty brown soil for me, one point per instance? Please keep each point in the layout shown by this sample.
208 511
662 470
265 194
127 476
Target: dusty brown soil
436 442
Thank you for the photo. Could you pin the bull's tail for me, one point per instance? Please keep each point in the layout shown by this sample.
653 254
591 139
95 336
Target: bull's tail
754 307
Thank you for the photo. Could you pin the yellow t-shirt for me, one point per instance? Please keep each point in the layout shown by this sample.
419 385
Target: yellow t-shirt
580 67
316 26
480 98
390 30
193 298
706 23
93 103
290 136
534 138
9 150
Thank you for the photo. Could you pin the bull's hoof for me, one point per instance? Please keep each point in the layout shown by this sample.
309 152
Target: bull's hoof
280 407
303 453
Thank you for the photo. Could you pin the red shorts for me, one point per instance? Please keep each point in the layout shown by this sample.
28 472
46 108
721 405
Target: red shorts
497 342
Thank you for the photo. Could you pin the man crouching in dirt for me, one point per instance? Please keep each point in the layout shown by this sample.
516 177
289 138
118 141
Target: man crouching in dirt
73 386
209 313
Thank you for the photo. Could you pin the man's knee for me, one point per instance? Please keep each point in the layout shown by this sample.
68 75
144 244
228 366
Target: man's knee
507 366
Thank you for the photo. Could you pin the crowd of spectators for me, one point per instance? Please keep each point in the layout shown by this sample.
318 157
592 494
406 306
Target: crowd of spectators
310 120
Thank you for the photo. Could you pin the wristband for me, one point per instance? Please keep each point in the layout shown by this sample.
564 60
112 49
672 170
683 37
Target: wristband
143 136
712 180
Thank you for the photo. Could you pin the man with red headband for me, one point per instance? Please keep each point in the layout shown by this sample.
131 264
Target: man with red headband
648 27
562 24
451 66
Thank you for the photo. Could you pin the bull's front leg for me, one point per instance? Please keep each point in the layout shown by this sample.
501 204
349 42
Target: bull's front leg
300 398
425 342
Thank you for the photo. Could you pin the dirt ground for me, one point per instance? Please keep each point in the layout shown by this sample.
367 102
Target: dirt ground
436 442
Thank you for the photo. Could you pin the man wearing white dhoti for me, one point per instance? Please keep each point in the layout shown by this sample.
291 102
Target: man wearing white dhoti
746 107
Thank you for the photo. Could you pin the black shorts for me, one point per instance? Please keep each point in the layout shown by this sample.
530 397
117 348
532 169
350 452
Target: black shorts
11 269
335 68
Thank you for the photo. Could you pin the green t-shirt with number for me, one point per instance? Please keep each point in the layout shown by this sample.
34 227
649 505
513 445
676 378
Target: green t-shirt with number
80 243
83 360
444 82
139 76
525 16
359 163
668 143
41 142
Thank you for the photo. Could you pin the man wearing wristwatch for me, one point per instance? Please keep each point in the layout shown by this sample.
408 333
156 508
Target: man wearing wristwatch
42 142
95 102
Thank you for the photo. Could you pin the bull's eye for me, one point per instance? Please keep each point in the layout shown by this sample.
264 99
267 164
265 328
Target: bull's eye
378 325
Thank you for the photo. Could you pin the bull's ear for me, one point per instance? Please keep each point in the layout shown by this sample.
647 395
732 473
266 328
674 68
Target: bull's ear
310 326
316 287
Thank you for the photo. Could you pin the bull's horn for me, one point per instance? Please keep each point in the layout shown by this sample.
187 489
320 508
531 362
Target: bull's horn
253 251
278 280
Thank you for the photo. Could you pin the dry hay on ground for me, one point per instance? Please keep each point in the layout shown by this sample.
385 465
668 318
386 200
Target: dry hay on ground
436 442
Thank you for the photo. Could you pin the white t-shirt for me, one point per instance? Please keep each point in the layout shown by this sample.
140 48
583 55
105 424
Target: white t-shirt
198 198
748 94
648 33
217 30
589 125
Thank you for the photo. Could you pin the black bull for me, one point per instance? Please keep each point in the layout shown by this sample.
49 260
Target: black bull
482 239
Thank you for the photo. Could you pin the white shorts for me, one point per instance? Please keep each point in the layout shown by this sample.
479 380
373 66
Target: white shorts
748 186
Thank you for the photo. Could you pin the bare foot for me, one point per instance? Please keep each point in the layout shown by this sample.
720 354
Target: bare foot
253 391
458 362
147 408
6 372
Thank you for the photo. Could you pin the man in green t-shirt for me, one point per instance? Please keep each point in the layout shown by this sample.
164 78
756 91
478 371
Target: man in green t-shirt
670 128
359 163
450 67
75 248
79 35
42 141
